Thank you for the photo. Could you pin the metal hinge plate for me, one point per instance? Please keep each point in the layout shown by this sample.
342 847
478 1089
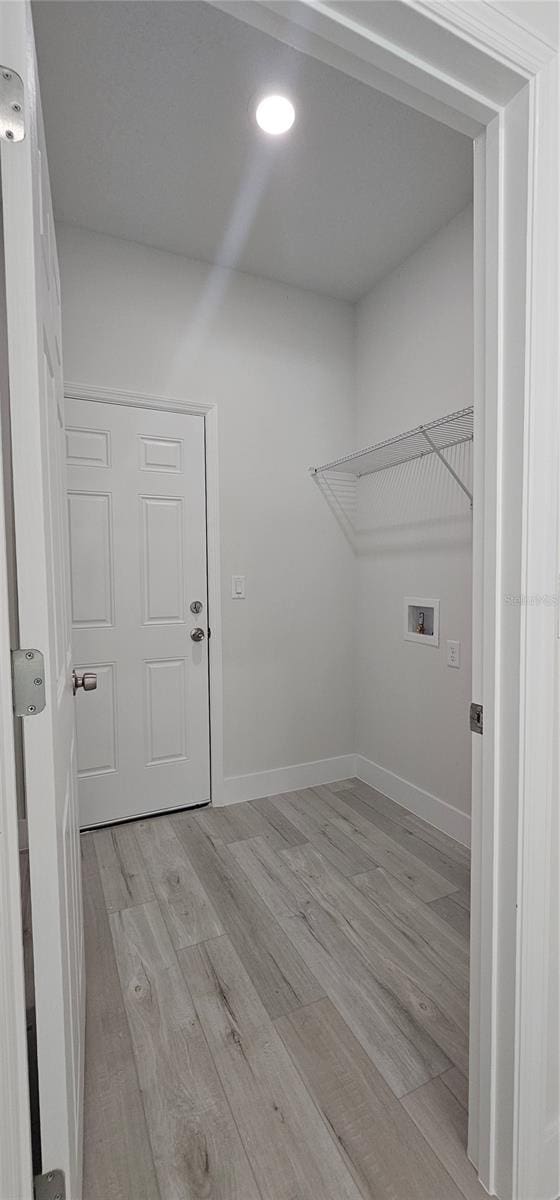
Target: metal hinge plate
476 718
50 1186
28 674
12 128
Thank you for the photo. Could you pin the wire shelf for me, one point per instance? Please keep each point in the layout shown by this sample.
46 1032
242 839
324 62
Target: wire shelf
437 435
432 438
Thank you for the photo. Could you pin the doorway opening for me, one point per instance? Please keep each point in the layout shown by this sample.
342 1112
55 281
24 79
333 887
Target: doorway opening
233 895
322 300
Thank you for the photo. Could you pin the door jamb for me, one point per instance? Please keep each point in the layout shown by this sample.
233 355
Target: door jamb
76 391
15 1119
15 1122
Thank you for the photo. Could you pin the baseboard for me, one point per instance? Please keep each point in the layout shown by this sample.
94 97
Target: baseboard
443 816
285 779
436 812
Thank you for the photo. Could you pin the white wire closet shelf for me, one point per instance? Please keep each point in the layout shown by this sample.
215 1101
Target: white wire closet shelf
432 438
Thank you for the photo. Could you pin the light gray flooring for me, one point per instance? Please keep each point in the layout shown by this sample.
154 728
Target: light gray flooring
277 1004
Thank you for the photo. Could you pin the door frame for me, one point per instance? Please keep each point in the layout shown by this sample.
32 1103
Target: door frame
483 73
478 70
101 395
15 1123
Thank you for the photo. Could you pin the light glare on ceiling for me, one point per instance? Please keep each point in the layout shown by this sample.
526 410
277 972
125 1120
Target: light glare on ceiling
275 114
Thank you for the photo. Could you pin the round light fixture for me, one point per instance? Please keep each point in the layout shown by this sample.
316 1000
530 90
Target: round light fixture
275 114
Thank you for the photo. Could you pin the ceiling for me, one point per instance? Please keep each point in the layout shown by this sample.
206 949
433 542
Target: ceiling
150 137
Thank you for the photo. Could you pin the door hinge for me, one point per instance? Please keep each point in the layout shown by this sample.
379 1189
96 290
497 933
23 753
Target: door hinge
12 127
476 718
50 1186
28 682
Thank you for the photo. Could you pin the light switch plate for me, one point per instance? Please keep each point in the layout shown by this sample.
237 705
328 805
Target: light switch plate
453 654
238 587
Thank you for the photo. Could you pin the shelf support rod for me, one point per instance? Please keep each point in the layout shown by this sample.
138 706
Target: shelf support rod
447 466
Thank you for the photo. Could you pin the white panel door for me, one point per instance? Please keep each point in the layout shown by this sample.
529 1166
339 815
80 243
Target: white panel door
137 522
37 419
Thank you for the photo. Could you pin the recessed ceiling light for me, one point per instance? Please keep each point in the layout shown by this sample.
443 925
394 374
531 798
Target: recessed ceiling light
275 114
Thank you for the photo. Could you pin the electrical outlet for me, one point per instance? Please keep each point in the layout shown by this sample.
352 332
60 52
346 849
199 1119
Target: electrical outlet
453 654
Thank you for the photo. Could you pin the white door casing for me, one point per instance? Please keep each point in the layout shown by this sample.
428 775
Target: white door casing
15 1125
36 407
137 524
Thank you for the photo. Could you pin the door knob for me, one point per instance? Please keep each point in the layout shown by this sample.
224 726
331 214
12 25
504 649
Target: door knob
84 679
198 634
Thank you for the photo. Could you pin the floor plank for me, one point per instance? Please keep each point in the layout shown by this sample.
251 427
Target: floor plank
456 873
185 907
348 858
124 877
425 882
455 914
443 1122
235 822
463 898
195 1143
118 1160
408 820
269 876
301 952
289 835
433 1003
458 1084
279 974
418 923
292 1152
369 1123
400 1049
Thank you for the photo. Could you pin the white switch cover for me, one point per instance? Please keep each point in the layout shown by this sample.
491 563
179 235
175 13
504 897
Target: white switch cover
453 654
238 587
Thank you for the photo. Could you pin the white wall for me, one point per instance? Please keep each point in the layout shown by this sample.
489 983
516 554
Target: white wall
414 362
315 664
278 362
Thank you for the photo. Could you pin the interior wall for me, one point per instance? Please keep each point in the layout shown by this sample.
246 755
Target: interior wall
278 362
414 363
315 661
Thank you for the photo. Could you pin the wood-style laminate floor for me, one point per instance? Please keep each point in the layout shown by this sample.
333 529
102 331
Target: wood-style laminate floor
277 1004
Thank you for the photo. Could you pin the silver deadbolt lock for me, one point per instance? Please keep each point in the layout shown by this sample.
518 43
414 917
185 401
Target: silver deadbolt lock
198 634
84 679
196 606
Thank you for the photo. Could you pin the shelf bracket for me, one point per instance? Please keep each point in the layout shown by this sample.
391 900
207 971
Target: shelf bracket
447 465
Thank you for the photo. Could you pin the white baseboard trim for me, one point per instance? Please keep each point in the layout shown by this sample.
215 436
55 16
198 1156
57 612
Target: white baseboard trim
285 779
439 813
450 820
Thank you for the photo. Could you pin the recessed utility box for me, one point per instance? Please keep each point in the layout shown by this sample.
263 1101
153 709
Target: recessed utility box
421 620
